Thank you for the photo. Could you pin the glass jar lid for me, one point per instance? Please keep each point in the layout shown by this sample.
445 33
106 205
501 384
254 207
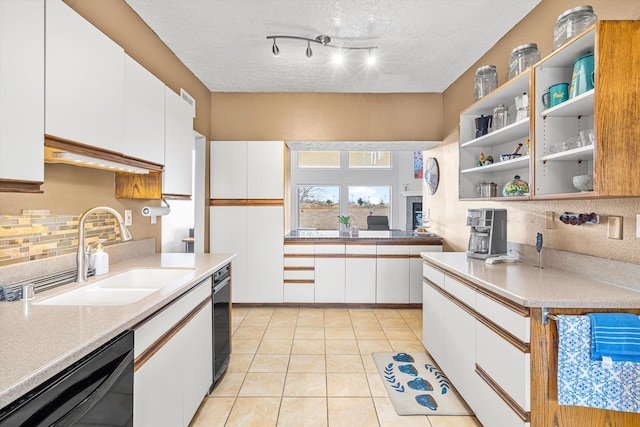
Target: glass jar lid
486 68
522 47
585 8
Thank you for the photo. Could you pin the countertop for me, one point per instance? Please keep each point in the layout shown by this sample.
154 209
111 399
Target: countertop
523 284
38 341
365 236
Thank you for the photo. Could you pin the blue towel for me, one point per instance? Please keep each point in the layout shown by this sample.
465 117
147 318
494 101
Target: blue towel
615 335
585 382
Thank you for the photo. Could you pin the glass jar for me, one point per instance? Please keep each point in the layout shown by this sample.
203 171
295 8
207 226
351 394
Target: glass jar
500 117
486 81
523 57
572 22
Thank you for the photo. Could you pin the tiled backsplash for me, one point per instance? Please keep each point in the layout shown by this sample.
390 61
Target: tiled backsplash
37 234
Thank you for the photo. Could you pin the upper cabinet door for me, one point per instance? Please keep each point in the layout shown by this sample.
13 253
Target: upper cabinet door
178 146
265 169
22 89
84 81
143 113
228 169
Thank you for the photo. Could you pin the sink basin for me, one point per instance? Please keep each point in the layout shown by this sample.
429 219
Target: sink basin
123 288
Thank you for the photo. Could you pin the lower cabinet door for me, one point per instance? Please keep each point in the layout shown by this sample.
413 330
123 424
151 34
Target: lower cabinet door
330 280
459 350
360 280
432 322
197 361
491 410
392 280
157 387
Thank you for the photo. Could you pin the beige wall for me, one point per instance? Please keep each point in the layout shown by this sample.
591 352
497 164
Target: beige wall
326 116
527 218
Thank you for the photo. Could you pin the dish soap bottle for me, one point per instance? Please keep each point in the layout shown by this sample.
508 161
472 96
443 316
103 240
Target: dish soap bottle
100 259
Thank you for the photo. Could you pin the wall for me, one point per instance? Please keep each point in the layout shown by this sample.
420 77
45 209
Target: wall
527 218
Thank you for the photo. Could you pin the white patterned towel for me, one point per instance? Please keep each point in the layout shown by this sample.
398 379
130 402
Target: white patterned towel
584 382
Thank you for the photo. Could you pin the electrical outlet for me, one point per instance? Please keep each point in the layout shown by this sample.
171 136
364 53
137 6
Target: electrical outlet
614 230
128 217
548 220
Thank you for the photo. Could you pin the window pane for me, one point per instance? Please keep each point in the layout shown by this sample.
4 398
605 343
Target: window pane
370 159
318 207
318 159
365 201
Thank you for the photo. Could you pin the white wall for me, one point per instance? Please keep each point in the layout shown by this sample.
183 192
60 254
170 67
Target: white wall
176 225
400 174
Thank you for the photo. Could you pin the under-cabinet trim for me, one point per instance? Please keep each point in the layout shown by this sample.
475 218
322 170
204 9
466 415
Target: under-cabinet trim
299 255
511 403
17 186
300 281
507 336
150 351
246 202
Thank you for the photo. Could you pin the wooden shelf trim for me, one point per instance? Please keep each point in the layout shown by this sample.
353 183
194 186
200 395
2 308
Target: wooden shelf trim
166 337
299 255
15 186
507 336
300 281
246 202
524 415
63 144
296 268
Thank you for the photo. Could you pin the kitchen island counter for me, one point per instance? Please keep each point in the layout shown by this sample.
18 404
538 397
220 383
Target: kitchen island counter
396 237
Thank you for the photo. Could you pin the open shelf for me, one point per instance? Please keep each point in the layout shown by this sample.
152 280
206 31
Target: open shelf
579 154
581 105
506 134
508 165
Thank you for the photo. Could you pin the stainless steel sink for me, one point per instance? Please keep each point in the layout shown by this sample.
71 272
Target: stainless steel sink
123 288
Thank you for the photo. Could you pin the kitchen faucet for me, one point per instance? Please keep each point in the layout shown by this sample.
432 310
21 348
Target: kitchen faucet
81 275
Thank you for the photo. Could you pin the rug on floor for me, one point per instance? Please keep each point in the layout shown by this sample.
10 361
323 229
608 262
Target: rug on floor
417 387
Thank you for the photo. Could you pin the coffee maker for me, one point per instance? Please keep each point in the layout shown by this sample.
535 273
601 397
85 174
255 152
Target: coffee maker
488 232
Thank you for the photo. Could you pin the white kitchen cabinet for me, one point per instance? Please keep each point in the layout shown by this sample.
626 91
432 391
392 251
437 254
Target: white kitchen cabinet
84 81
173 368
415 270
143 113
432 322
299 273
197 360
178 146
22 89
228 229
264 253
258 265
247 169
228 170
392 274
360 274
330 269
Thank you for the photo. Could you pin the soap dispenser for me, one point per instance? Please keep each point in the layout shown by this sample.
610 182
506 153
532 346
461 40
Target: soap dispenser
100 259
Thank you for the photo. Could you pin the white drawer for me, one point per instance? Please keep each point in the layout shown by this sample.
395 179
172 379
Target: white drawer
299 274
155 327
416 249
492 411
393 249
433 274
461 291
361 249
509 367
297 292
298 249
504 317
299 262
329 249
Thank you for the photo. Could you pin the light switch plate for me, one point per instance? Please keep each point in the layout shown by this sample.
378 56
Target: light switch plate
548 220
128 217
154 219
614 230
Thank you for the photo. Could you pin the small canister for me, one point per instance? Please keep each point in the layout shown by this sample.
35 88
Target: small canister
572 22
486 81
523 57
500 117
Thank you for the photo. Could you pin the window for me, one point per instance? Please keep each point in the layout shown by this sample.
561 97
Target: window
368 200
370 159
318 206
319 159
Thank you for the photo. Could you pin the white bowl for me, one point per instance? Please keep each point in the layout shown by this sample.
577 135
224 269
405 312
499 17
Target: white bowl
583 182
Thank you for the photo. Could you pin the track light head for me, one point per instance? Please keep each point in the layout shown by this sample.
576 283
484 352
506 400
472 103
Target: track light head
309 51
275 49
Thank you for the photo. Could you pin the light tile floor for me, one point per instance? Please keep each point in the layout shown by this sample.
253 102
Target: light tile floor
313 367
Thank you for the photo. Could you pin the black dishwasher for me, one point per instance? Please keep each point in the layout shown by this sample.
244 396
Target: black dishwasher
221 295
95 391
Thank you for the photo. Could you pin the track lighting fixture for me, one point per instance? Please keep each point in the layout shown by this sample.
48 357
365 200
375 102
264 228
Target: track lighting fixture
323 40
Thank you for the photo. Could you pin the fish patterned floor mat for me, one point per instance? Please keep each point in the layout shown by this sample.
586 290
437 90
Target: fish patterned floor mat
417 386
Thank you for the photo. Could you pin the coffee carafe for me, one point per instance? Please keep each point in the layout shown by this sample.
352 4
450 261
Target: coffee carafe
488 236
522 107
483 123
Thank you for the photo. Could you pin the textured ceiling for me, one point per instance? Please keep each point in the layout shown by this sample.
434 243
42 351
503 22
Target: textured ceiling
423 45
361 145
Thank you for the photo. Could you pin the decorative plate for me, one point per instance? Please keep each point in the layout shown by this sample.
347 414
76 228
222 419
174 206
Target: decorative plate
431 175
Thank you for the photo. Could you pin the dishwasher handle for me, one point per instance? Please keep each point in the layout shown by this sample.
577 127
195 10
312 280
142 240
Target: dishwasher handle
218 286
